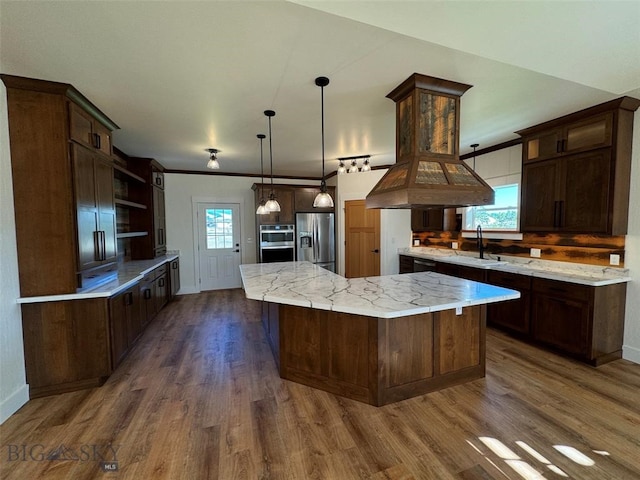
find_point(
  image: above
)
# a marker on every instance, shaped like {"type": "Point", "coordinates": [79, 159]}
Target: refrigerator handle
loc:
{"type": "Point", "coordinates": [316, 248]}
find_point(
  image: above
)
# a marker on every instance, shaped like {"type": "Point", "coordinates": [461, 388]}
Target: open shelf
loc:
{"type": "Point", "coordinates": [128, 203]}
{"type": "Point", "coordinates": [120, 170]}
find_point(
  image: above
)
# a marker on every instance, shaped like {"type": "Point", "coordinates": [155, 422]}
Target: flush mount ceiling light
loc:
{"type": "Point", "coordinates": [262, 209]}
{"type": "Point", "coordinates": [272, 204]}
{"type": "Point", "coordinates": [323, 199]}
{"type": "Point", "coordinates": [213, 159]}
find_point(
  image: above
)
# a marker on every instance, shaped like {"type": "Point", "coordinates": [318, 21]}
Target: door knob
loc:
{"type": "Point", "coordinates": [375, 251]}
{"type": "Point", "coordinates": [237, 250]}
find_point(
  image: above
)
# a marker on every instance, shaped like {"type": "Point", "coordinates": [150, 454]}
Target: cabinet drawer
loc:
{"type": "Point", "coordinates": [161, 270]}
{"type": "Point", "coordinates": [509, 280]}
{"type": "Point", "coordinates": [562, 289]}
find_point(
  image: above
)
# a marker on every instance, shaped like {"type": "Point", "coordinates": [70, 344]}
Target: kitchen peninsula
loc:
{"type": "Point", "coordinates": [376, 339]}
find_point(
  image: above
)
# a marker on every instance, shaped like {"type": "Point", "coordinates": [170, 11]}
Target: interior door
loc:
{"type": "Point", "coordinates": [362, 234]}
{"type": "Point", "coordinates": [219, 245]}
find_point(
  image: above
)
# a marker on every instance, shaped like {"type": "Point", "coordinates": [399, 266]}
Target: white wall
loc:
{"type": "Point", "coordinates": [181, 190]}
{"type": "Point", "coordinates": [395, 224]}
{"type": "Point", "coordinates": [501, 167]}
{"type": "Point", "coordinates": [631, 346]}
{"type": "Point", "coordinates": [14, 391]}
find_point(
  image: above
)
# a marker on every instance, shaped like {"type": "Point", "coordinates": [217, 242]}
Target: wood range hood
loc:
{"type": "Point", "coordinates": [428, 172]}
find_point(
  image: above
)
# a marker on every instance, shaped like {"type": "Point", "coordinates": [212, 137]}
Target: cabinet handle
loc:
{"type": "Point", "coordinates": [561, 213]}
{"type": "Point", "coordinates": [158, 180]}
{"type": "Point", "coordinates": [174, 265]}
{"type": "Point", "coordinates": [128, 298]}
{"type": "Point", "coordinates": [96, 245]}
{"type": "Point", "coordinates": [161, 282]}
{"type": "Point", "coordinates": [559, 146]}
{"type": "Point", "coordinates": [147, 294]}
{"type": "Point", "coordinates": [103, 244]}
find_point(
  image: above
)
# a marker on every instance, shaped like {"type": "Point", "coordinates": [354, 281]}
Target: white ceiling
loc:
{"type": "Point", "coordinates": [179, 77]}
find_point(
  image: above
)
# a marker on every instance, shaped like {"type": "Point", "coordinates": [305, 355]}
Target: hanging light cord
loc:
{"type": "Point", "coordinates": [261, 137]}
{"type": "Point", "coordinates": [270, 153]}
{"type": "Point", "coordinates": [323, 184]}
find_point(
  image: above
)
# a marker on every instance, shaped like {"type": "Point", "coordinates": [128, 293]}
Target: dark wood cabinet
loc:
{"type": "Point", "coordinates": [433, 219]}
{"type": "Point", "coordinates": [576, 171]}
{"type": "Point", "coordinates": [406, 264]}
{"type": "Point", "coordinates": [154, 293]}
{"type": "Point", "coordinates": [95, 208]}
{"type": "Point", "coordinates": [304, 197]}
{"type": "Point", "coordinates": [578, 193]}
{"type": "Point", "coordinates": [462, 271]}
{"type": "Point", "coordinates": [152, 218]}
{"type": "Point", "coordinates": [125, 323]}
{"type": "Point", "coordinates": [64, 210]}
{"type": "Point", "coordinates": [285, 197]}
{"type": "Point", "coordinates": [174, 277]}
{"type": "Point", "coordinates": [513, 315]}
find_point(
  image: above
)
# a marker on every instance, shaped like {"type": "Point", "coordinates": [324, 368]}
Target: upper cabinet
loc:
{"type": "Point", "coordinates": [63, 198]}
{"type": "Point", "coordinates": [576, 171]}
{"type": "Point", "coordinates": [292, 199]}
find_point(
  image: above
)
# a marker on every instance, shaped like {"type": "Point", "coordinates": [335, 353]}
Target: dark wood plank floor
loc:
{"type": "Point", "coordinates": [200, 398]}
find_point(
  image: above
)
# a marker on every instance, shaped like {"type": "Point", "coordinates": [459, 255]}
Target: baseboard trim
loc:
{"type": "Point", "coordinates": [12, 404]}
{"type": "Point", "coordinates": [631, 353]}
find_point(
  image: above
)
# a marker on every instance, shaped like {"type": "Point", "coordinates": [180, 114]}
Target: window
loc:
{"type": "Point", "coordinates": [502, 215]}
{"type": "Point", "coordinates": [219, 228]}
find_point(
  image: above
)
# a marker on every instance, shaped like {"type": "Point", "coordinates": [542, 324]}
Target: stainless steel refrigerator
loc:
{"type": "Point", "coordinates": [315, 239]}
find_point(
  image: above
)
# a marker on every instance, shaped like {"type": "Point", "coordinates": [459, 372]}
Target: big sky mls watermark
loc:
{"type": "Point", "coordinates": [105, 455]}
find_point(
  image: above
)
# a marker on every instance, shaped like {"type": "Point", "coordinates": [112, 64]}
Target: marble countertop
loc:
{"type": "Point", "coordinates": [128, 274]}
{"type": "Point", "coordinates": [307, 285]}
{"type": "Point", "coordinates": [592, 275]}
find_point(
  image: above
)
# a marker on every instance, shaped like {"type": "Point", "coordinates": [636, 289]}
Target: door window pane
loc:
{"type": "Point", "coordinates": [219, 228]}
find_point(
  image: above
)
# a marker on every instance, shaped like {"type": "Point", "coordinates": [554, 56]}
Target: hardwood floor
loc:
{"type": "Point", "coordinates": [199, 397]}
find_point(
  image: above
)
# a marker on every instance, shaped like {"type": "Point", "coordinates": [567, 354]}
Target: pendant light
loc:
{"type": "Point", "coordinates": [272, 204]}
{"type": "Point", "coordinates": [261, 210]}
{"type": "Point", "coordinates": [341, 168]}
{"type": "Point", "coordinates": [366, 167]}
{"type": "Point", "coordinates": [323, 199]}
{"type": "Point", "coordinates": [213, 159]}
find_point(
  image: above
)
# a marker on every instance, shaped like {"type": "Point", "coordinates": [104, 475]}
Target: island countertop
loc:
{"type": "Point", "coordinates": [307, 285]}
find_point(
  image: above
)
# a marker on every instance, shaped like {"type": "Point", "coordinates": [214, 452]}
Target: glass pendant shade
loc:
{"type": "Point", "coordinates": [213, 164]}
{"type": "Point", "coordinates": [323, 199]}
{"type": "Point", "coordinates": [354, 167]}
{"type": "Point", "coordinates": [272, 204]}
{"type": "Point", "coordinates": [365, 166]}
{"type": "Point", "coordinates": [262, 209]}
{"type": "Point", "coordinates": [341, 168]}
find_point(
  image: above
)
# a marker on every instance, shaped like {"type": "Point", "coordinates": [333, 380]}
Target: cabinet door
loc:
{"type": "Point", "coordinates": [427, 220]}
{"type": "Point", "coordinates": [594, 132]}
{"type": "Point", "coordinates": [89, 239]}
{"type": "Point", "coordinates": [80, 125]}
{"type": "Point", "coordinates": [305, 196]}
{"type": "Point", "coordinates": [106, 209]}
{"type": "Point", "coordinates": [514, 315]}
{"type": "Point", "coordinates": [119, 312]}
{"type": "Point", "coordinates": [159, 221]}
{"type": "Point", "coordinates": [539, 206]}
{"type": "Point", "coordinates": [586, 192]}
{"type": "Point", "coordinates": [161, 291]}
{"type": "Point", "coordinates": [406, 264]}
{"type": "Point", "coordinates": [175, 276]}
{"type": "Point", "coordinates": [561, 322]}
{"type": "Point", "coordinates": [543, 145]}
{"type": "Point", "coordinates": [286, 214]}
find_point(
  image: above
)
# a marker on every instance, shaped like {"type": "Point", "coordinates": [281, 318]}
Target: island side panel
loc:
{"type": "Point", "coordinates": [327, 350]}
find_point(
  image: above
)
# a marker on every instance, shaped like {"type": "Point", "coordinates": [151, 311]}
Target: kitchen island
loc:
{"type": "Point", "coordinates": [376, 339]}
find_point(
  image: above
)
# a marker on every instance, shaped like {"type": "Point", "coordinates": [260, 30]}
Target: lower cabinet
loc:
{"type": "Point", "coordinates": [271, 324]}
{"type": "Point", "coordinates": [584, 321]}
{"type": "Point", "coordinates": [512, 315]}
{"type": "Point", "coordinates": [125, 324]}
{"type": "Point", "coordinates": [174, 278]}
{"type": "Point", "coordinates": [461, 271]}
{"type": "Point", "coordinates": [406, 264]}
{"type": "Point", "coordinates": [74, 344]}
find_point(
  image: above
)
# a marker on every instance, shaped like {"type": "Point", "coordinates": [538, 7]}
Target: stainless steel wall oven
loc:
{"type": "Point", "coordinates": [277, 243]}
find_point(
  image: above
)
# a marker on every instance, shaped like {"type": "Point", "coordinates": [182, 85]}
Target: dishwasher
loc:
{"type": "Point", "coordinates": [422, 265]}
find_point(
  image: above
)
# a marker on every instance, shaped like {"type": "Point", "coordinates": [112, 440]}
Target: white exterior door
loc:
{"type": "Point", "coordinates": [219, 245]}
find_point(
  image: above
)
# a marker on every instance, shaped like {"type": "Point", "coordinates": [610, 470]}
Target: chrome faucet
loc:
{"type": "Point", "coordinates": [480, 244]}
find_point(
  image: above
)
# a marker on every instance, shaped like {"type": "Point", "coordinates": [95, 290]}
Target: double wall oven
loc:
{"type": "Point", "coordinates": [277, 243]}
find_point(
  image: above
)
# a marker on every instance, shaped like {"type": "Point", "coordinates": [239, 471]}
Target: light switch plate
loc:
{"type": "Point", "coordinates": [614, 259]}
{"type": "Point", "coordinates": [454, 245]}
{"type": "Point", "coordinates": [535, 252]}
{"type": "Point", "coordinates": [458, 310]}
{"type": "Point", "coordinates": [416, 242]}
